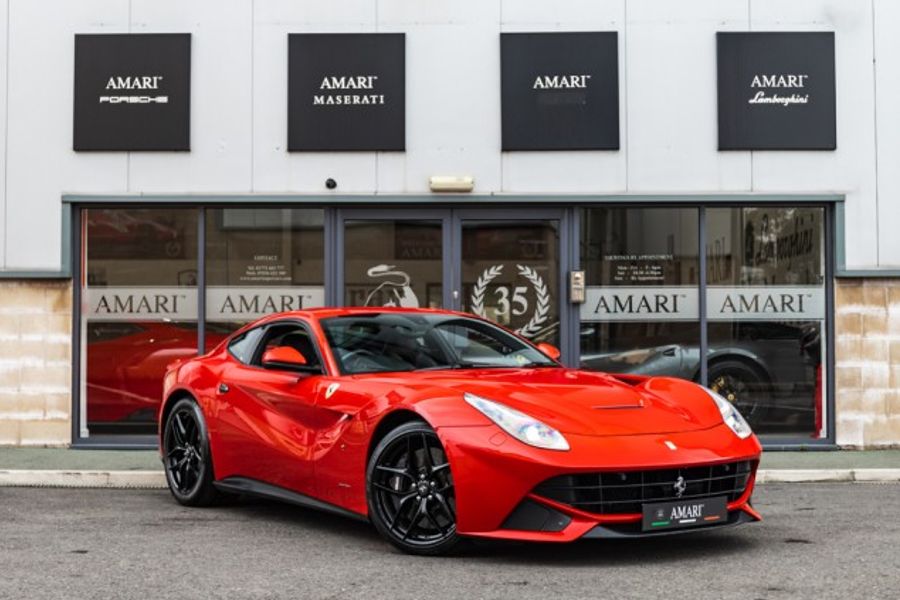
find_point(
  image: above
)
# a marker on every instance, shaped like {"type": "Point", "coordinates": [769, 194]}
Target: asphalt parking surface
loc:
{"type": "Point", "coordinates": [818, 541]}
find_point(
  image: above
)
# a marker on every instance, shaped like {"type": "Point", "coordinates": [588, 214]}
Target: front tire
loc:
{"type": "Point", "coordinates": [410, 491]}
{"type": "Point", "coordinates": [186, 456]}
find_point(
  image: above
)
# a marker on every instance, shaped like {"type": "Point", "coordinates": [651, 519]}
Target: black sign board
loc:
{"type": "Point", "coordinates": [776, 91]}
{"type": "Point", "coordinates": [346, 91]}
{"type": "Point", "coordinates": [132, 91]}
{"type": "Point", "coordinates": [560, 91]}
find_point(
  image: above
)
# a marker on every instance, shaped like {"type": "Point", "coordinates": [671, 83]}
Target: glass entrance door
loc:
{"type": "Point", "coordinates": [497, 264]}
{"type": "Point", "coordinates": [393, 258]}
{"type": "Point", "coordinates": [509, 271]}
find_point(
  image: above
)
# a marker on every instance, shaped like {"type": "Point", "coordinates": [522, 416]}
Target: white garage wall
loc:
{"type": "Point", "coordinates": [887, 117]}
{"type": "Point", "coordinates": [4, 9]}
{"type": "Point", "coordinates": [851, 168]}
{"type": "Point", "coordinates": [239, 96]}
{"type": "Point", "coordinates": [40, 162]}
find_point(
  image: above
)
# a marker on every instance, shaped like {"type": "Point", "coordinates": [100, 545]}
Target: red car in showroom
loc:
{"type": "Point", "coordinates": [437, 426]}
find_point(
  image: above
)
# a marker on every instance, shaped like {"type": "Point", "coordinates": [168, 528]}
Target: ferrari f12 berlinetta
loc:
{"type": "Point", "coordinates": [437, 426]}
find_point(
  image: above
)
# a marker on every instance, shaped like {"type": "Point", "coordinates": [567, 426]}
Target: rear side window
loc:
{"type": "Point", "coordinates": [242, 346]}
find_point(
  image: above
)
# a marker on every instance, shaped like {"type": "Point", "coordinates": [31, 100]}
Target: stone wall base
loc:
{"type": "Point", "coordinates": [867, 362]}
{"type": "Point", "coordinates": [35, 363]}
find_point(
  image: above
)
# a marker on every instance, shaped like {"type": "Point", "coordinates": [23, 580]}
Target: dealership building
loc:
{"type": "Point", "coordinates": [706, 189]}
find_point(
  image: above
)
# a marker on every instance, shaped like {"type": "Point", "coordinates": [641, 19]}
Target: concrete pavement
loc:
{"type": "Point", "coordinates": [817, 542]}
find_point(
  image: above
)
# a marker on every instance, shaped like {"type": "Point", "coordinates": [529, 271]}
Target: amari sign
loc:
{"type": "Point", "coordinates": [776, 91]}
{"type": "Point", "coordinates": [723, 303]}
{"type": "Point", "coordinates": [650, 303]}
{"type": "Point", "coordinates": [132, 92]}
{"type": "Point", "coordinates": [346, 91]}
{"type": "Point", "coordinates": [235, 303]}
{"type": "Point", "coordinates": [765, 303]}
{"type": "Point", "coordinates": [560, 91]}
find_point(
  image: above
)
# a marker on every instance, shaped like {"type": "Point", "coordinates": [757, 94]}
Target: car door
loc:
{"type": "Point", "coordinates": [267, 416]}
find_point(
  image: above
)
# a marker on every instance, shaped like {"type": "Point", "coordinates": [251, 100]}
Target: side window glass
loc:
{"type": "Point", "coordinates": [242, 347]}
{"type": "Point", "coordinates": [289, 334]}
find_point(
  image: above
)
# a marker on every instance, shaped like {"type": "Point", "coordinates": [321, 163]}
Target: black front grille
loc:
{"type": "Point", "coordinates": [623, 492]}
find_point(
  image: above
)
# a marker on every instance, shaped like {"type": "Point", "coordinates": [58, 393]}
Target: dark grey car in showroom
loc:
{"type": "Point", "coordinates": [770, 370]}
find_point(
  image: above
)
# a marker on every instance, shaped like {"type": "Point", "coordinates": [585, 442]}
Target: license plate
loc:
{"type": "Point", "coordinates": [685, 513]}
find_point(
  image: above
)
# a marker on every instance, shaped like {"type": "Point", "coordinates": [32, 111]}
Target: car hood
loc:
{"type": "Point", "coordinates": [574, 401]}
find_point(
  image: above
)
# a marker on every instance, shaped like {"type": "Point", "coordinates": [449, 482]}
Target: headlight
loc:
{"type": "Point", "coordinates": [519, 425]}
{"type": "Point", "coordinates": [731, 416]}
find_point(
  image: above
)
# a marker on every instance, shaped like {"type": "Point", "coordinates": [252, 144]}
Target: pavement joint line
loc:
{"type": "Point", "coordinates": [86, 478]}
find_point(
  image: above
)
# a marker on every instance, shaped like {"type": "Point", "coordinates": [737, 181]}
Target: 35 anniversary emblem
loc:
{"type": "Point", "coordinates": [512, 300]}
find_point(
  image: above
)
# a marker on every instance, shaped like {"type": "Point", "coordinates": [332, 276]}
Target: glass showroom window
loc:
{"type": "Point", "coordinates": [260, 261]}
{"type": "Point", "coordinates": [138, 312]}
{"type": "Point", "coordinates": [642, 273]}
{"type": "Point", "coordinates": [766, 312]}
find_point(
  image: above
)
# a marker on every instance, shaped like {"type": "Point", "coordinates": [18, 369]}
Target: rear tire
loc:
{"type": "Point", "coordinates": [410, 491]}
{"type": "Point", "coordinates": [186, 455]}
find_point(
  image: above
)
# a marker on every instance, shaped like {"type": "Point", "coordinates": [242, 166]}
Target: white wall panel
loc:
{"type": "Point", "coordinates": [851, 168]}
{"type": "Point", "coordinates": [568, 172]}
{"type": "Point", "coordinates": [670, 74]}
{"type": "Point", "coordinates": [588, 15]}
{"type": "Point", "coordinates": [4, 7]}
{"type": "Point", "coordinates": [452, 91]}
{"type": "Point", "coordinates": [275, 169]}
{"type": "Point", "coordinates": [219, 159]}
{"type": "Point", "coordinates": [887, 88]}
{"type": "Point", "coordinates": [41, 164]}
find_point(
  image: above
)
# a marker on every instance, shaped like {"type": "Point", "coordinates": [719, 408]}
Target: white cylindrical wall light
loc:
{"type": "Point", "coordinates": [448, 183]}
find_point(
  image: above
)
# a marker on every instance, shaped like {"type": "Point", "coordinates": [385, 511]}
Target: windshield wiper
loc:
{"type": "Point", "coordinates": [526, 365]}
{"type": "Point", "coordinates": [436, 368]}
{"type": "Point", "coordinates": [465, 364]}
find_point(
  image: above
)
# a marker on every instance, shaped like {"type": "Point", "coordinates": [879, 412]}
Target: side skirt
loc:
{"type": "Point", "coordinates": [252, 487]}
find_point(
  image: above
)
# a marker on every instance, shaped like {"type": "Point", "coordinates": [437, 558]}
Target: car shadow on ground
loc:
{"type": "Point", "coordinates": [615, 552]}
{"type": "Point", "coordinates": [700, 545]}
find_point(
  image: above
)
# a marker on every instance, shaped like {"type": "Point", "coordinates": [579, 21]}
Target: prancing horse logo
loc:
{"type": "Point", "coordinates": [680, 486]}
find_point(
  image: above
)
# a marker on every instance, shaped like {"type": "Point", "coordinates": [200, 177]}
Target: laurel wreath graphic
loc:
{"type": "Point", "coordinates": [542, 306]}
{"type": "Point", "coordinates": [480, 288]}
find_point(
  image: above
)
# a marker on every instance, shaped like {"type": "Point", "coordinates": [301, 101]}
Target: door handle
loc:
{"type": "Point", "coordinates": [223, 388]}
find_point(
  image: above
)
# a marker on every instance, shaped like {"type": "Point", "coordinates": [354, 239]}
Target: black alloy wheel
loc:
{"type": "Point", "coordinates": [186, 455]}
{"type": "Point", "coordinates": [410, 491]}
{"type": "Point", "coordinates": [743, 386]}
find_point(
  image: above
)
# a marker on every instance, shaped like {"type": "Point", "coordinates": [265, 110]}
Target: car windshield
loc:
{"type": "Point", "coordinates": [391, 342]}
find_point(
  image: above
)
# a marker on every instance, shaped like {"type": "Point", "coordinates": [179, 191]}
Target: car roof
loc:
{"type": "Point", "coordinates": [326, 312]}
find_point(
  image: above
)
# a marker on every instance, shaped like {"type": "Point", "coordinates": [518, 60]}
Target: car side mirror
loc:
{"type": "Point", "coordinates": [550, 350]}
{"type": "Point", "coordinates": [283, 357]}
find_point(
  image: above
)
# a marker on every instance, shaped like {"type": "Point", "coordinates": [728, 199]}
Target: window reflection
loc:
{"type": "Point", "coordinates": [766, 311]}
{"type": "Point", "coordinates": [641, 314]}
{"type": "Point", "coordinates": [261, 261]}
{"type": "Point", "coordinates": [139, 311]}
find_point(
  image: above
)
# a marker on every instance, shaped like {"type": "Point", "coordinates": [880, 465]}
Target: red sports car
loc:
{"type": "Point", "coordinates": [437, 425]}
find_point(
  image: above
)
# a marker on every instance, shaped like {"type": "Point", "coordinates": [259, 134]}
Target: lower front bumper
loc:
{"type": "Point", "coordinates": [633, 530]}
{"type": "Point", "coordinates": [494, 475]}
{"type": "Point", "coordinates": [583, 526]}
